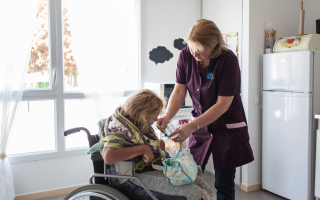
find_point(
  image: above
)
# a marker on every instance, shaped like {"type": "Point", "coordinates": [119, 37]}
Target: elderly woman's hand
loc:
{"type": "Point", "coordinates": [183, 132]}
{"type": "Point", "coordinates": [148, 155]}
{"type": "Point", "coordinates": [162, 145]}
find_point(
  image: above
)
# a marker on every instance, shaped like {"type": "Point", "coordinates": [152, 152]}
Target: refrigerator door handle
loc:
{"type": "Point", "coordinates": [282, 90]}
{"type": "Point", "coordinates": [278, 90]}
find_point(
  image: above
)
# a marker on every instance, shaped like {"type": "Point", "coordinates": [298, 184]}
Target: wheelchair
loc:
{"type": "Point", "coordinates": [102, 185]}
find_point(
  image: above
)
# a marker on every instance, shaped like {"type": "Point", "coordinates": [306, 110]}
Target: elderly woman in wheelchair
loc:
{"type": "Point", "coordinates": [128, 146]}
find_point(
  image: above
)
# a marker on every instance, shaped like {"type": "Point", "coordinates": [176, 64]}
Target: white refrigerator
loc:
{"type": "Point", "coordinates": [291, 97]}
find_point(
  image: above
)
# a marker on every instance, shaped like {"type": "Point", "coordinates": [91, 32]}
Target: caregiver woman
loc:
{"type": "Point", "coordinates": [210, 72]}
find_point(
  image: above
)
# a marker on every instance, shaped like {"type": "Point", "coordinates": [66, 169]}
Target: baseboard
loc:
{"type": "Point", "coordinates": [250, 188]}
{"type": "Point", "coordinates": [46, 194]}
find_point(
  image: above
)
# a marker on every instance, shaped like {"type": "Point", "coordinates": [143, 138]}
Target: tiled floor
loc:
{"type": "Point", "coordinates": [240, 195]}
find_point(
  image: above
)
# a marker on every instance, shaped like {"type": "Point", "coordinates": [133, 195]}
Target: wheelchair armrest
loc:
{"type": "Point", "coordinates": [98, 157]}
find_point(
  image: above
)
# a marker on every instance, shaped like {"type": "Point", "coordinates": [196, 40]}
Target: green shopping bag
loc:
{"type": "Point", "coordinates": [179, 170]}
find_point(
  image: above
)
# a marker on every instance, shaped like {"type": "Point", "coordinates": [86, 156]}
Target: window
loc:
{"type": "Point", "coordinates": [65, 47]}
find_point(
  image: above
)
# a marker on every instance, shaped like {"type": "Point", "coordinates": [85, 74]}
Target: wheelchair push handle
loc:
{"type": "Point", "coordinates": [74, 130]}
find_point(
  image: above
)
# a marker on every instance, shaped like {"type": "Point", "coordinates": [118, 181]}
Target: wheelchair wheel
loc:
{"type": "Point", "coordinates": [95, 192]}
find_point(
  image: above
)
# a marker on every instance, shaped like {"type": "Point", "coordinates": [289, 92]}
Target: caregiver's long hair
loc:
{"type": "Point", "coordinates": [142, 105]}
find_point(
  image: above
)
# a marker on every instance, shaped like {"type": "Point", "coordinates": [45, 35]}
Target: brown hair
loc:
{"type": "Point", "coordinates": [142, 105]}
{"type": "Point", "coordinates": [205, 34]}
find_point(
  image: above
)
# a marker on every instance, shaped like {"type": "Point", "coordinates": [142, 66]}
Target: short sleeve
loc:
{"type": "Point", "coordinates": [181, 70]}
{"type": "Point", "coordinates": [229, 84]}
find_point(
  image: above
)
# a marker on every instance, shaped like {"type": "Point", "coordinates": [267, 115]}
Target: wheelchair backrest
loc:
{"type": "Point", "coordinates": [96, 138]}
{"type": "Point", "coordinates": [101, 124]}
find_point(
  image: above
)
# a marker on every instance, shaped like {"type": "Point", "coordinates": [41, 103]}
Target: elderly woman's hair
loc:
{"type": "Point", "coordinates": [142, 105]}
{"type": "Point", "coordinates": [205, 34]}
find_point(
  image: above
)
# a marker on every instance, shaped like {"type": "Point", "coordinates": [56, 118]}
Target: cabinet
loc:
{"type": "Point", "coordinates": [183, 113]}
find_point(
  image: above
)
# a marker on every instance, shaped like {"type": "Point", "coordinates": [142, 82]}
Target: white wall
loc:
{"type": "Point", "coordinates": [312, 13]}
{"type": "Point", "coordinates": [51, 174]}
{"type": "Point", "coordinates": [163, 21]}
{"type": "Point", "coordinates": [285, 16]}
{"type": "Point", "coordinates": [245, 75]}
{"type": "Point", "coordinates": [227, 15]}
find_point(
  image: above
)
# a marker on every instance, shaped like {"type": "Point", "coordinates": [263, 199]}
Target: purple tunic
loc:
{"type": "Point", "coordinates": [228, 136]}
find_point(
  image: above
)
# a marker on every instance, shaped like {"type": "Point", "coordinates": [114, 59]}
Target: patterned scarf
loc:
{"type": "Point", "coordinates": [120, 133]}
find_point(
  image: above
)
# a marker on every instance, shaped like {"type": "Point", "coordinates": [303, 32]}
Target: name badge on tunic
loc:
{"type": "Point", "coordinates": [210, 75]}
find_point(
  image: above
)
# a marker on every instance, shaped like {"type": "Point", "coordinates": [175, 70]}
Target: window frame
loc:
{"type": "Point", "coordinates": [56, 92]}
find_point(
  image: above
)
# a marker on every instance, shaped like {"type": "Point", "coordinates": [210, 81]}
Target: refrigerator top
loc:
{"type": "Point", "coordinates": [290, 71]}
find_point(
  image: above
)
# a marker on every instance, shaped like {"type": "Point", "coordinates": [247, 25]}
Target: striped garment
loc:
{"type": "Point", "coordinates": [120, 132]}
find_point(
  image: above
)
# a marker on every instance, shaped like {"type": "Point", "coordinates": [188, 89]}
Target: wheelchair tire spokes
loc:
{"type": "Point", "coordinates": [100, 192]}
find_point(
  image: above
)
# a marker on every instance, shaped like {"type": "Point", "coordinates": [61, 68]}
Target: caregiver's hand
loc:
{"type": "Point", "coordinates": [163, 121]}
{"type": "Point", "coordinates": [183, 132]}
